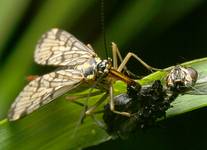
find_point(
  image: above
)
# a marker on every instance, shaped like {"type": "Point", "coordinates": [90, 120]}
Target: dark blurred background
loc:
{"type": "Point", "coordinates": [161, 32]}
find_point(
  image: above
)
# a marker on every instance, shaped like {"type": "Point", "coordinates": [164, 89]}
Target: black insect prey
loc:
{"type": "Point", "coordinates": [148, 103]}
{"type": "Point", "coordinates": [146, 106]}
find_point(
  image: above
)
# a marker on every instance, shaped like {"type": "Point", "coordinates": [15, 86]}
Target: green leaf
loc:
{"type": "Point", "coordinates": [56, 126]}
{"type": "Point", "coordinates": [184, 103]}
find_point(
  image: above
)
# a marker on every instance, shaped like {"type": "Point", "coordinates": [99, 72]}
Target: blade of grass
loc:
{"type": "Point", "coordinates": [62, 131]}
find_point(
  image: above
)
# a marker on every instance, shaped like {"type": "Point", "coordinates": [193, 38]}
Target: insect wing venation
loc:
{"type": "Point", "coordinates": [43, 90]}
{"type": "Point", "coordinates": [59, 48]}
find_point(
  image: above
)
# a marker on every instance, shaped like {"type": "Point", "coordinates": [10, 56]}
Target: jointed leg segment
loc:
{"type": "Point", "coordinates": [112, 106]}
{"type": "Point", "coordinates": [115, 52]}
{"type": "Point", "coordinates": [99, 102]}
{"type": "Point", "coordinates": [116, 56]}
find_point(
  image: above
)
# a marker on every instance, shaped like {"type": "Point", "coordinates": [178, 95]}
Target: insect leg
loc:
{"type": "Point", "coordinates": [98, 122]}
{"type": "Point", "coordinates": [128, 56]}
{"type": "Point", "coordinates": [115, 53]}
{"type": "Point", "coordinates": [91, 111]}
{"type": "Point", "coordinates": [99, 102]}
{"type": "Point", "coordinates": [81, 96]}
{"type": "Point", "coordinates": [111, 103]}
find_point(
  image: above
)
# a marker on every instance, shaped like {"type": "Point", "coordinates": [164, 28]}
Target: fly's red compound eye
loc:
{"type": "Point", "coordinates": [193, 73]}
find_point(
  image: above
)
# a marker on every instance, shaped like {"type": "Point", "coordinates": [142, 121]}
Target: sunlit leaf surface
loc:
{"type": "Point", "coordinates": [58, 122]}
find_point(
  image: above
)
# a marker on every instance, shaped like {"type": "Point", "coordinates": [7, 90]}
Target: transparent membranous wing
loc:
{"type": "Point", "coordinates": [43, 90]}
{"type": "Point", "coordinates": [59, 48]}
{"type": "Point", "coordinates": [200, 87]}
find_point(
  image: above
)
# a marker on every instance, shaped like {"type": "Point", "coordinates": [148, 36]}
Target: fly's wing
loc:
{"type": "Point", "coordinates": [200, 88]}
{"type": "Point", "coordinates": [60, 48]}
{"type": "Point", "coordinates": [43, 90]}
